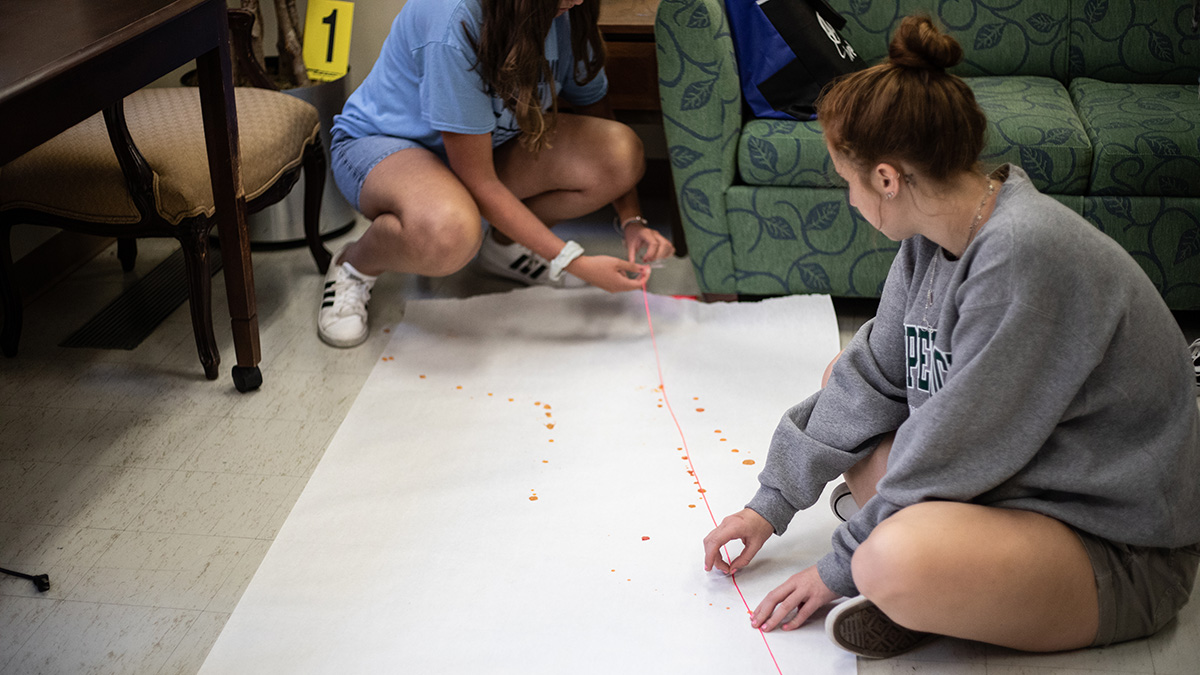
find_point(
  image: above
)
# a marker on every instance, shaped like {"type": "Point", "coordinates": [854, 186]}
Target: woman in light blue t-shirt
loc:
{"type": "Point", "coordinates": [457, 120]}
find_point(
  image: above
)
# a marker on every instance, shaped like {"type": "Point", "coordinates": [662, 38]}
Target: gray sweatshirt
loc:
{"type": "Point", "coordinates": [1047, 375]}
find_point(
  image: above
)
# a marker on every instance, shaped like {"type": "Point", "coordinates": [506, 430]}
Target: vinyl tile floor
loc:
{"type": "Point", "coordinates": [150, 495]}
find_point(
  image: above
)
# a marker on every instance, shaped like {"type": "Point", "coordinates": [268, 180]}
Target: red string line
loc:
{"type": "Point", "coordinates": [662, 386]}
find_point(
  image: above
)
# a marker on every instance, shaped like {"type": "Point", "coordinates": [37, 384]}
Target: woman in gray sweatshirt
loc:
{"type": "Point", "coordinates": [1018, 422]}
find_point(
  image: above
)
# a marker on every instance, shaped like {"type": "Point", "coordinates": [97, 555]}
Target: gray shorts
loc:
{"type": "Point", "coordinates": [1140, 588]}
{"type": "Point", "coordinates": [353, 158]}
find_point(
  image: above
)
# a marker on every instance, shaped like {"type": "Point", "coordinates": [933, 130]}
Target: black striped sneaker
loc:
{"type": "Point", "coordinates": [859, 627]}
{"type": "Point", "coordinates": [1196, 363]}
{"type": "Point", "coordinates": [342, 319]}
{"type": "Point", "coordinates": [514, 261]}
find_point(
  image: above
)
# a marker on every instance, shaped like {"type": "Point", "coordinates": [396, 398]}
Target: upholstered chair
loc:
{"type": "Point", "coordinates": [140, 169]}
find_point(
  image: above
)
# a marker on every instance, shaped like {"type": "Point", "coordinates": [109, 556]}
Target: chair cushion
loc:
{"type": "Point", "coordinates": [76, 174]}
{"type": "Point", "coordinates": [1144, 137]}
{"type": "Point", "coordinates": [1030, 123]}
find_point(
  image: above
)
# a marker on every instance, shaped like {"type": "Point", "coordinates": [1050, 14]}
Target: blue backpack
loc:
{"type": "Point", "coordinates": [787, 50]}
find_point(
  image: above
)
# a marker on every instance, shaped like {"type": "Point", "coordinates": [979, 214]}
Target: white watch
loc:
{"type": "Point", "coordinates": [570, 251]}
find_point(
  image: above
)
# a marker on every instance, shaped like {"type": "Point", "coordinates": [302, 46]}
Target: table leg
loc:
{"type": "Point", "coordinates": [224, 165]}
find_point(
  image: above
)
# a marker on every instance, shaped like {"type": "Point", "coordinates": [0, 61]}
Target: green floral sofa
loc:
{"type": "Point", "coordinates": [1095, 99]}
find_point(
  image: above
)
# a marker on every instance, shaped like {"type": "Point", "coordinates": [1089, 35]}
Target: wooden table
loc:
{"type": "Point", "coordinates": [632, 68]}
{"type": "Point", "coordinates": [61, 61]}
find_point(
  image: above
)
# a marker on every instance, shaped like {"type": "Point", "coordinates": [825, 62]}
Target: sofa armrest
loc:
{"type": "Point", "coordinates": [702, 119]}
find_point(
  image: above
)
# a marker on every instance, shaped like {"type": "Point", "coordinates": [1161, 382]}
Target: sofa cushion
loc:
{"type": "Point", "coordinates": [1031, 123]}
{"type": "Point", "coordinates": [1144, 137]}
{"type": "Point", "coordinates": [1133, 41]}
{"type": "Point", "coordinates": [1026, 38]}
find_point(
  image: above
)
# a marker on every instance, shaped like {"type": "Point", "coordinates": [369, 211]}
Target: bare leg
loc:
{"type": "Point", "coordinates": [423, 220]}
{"type": "Point", "coordinates": [1003, 576]}
{"type": "Point", "coordinates": [591, 162]}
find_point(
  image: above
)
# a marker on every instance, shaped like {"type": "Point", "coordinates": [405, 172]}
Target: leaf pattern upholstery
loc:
{"type": "Point", "coordinates": [1108, 129]}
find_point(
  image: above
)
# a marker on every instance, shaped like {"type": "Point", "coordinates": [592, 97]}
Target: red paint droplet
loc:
{"type": "Point", "coordinates": [747, 462]}
{"type": "Point", "coordinates": [645, 538]}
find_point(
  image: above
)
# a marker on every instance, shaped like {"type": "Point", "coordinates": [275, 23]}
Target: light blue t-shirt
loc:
{"type": "Point", "coordinates": [424, 83]}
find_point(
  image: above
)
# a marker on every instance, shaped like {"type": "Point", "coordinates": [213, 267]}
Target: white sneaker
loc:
{"type": "Point", "coordinates": [859, 627]}
{"type": "Point", "coordinates": [842, 502]}
{"type": "Point", "coordinates": [514, 261]}
{"type": "Point", "coordinates": [342, 319]}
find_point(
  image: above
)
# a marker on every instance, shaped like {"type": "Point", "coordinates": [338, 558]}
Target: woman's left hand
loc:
{"type": "Point", "coordinates": [803, 592]}
{"type": "Point", "coordinates": [653, 245]}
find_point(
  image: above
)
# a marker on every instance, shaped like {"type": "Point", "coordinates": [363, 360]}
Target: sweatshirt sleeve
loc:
{"type": "Point", "coordinates": [818, 439]}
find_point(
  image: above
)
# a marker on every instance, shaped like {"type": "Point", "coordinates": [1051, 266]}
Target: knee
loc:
{"type": "Point", "coordinates": [829, 370]}
{"type": "Point", "coordinates": [625, 160]}
{"type": "Point", "coordinates": [438, 240]}
{"type": "Point", "coordinates": [895, 566]}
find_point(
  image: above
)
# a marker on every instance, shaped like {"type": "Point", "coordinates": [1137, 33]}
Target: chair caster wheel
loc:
{"type": "Point", "coordinates": [247, 379]}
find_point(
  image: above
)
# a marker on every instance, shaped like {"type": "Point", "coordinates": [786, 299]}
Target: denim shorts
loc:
{"type": "Point", "coordinates": [353, 159]}
{"type": "Point", "coordinates": [1140, 588]}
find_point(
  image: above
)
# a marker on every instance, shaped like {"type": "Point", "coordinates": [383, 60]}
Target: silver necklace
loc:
{"type": "Point", "coordinates": [991, 189]}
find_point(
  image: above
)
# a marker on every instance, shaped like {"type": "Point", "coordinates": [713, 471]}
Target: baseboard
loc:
{"type": "Point", "coordinates": [53, 260]}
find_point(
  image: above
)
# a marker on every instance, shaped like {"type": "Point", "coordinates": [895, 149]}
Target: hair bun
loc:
{"type": "Point", "coordinates": [919, 44]}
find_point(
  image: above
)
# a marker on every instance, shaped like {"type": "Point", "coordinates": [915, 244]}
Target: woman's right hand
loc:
{"type": "Point", "coordinates": [611, 274]}
{"type": "Point", "coordinates": [747, 525]}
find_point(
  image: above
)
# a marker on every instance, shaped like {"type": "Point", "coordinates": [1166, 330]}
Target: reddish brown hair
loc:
{"type": "Point", "coordinates": [908, 108]}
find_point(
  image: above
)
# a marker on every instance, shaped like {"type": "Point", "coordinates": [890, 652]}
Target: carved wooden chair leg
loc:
{"type": "Point", "coordinates": [127, 252]}
{"type": "Point", "coordinates": [314, 189]}
{"type": "Point", "coordinates": [199, 279]}
{"type": "Point", "coordinates": [10, 296]}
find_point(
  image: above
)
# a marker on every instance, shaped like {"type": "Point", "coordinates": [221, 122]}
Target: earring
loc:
{"type": "Point", "coordinates": [889, 195]}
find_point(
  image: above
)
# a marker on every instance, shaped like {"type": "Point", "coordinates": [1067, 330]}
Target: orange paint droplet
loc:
{"type": "Point", "coordinates": [533, 498]}
{"type": "Point", "coordinates": [510, 400]}
{"type": "Point", "coordinates": [645, 538]}
{"type": "Point", "coordinates": [550, 425]}
{"type": "Point", "coordinates": [545, 461]}
{"type": "Point", "coordinates": [459, 387]}
{"type": "Point", "coordinates": [695, 398]}
{"type": "Point", "coordinates": [691, 506]}
{"type": "Point", "coordinates": [549, 415]}
{"type": "Point", "coordinates": [490, 393]}
{"type": "Point", "coordinates": [551, 440]}
{"type": "Point", "coordinates": [734, 450]}
{"type": "Point", "coordinates": [660, 405]}
{"type": "Point", "coordinates": [691, 473]}
{"type": "Point", "coordinates": [422, 377]}
{"type": "Point", "coordinates": [724, 439]}
{"type": "Point", "coordinates": [387, 330]}
{"type": "Point", "coordinates": [547, 406]}
{"type": "Point", "coordinates": [747, 462]}
{"type": "Point", "coordinates": [716, 431]}
{"type": "Point", "coordinates": [699, 409]}
{"type": "Point", "coordinates": [702, 490]}
{"type": "Point", "coordinates": [684, 457]}
{"type": "Point", "coordinates": [537, 402]}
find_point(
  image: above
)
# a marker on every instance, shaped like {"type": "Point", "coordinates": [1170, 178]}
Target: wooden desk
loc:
{"type": "Point", "coordinates": [628, 30]}
{"type": "Point", "coordinates": [61, 61]}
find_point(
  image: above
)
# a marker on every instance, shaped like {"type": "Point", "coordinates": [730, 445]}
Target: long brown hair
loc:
{"type": "Point", "coordinates": [907, 108]}
{"type": "Point", "coordinates": [512, 61]}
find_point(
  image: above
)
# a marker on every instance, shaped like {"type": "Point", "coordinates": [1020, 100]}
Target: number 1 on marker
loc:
{"type": "Point", "coordinates": [327, 38]}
